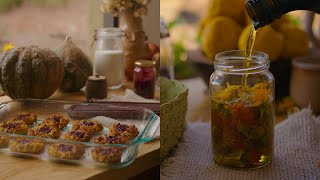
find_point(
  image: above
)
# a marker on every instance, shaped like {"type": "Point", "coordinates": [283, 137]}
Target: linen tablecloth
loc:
{"type": "Point", "coordinates": [296, 153]}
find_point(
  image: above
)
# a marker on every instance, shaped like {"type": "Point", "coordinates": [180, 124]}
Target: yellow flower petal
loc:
{"type": "Point", "coordinates": [7, 47]}
{"type": "Point", "coordinates": [260, 94]}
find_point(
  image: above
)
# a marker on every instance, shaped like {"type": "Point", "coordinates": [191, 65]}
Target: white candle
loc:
{"type": "Point", "coordinates": [110, 63]}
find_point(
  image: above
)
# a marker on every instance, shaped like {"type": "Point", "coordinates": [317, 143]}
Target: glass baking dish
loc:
{"type": "Point", "coordinates": [84, 153]}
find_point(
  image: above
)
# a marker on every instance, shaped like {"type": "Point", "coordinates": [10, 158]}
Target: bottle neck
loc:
{"type": "Point", "coordinates": [264, 12]}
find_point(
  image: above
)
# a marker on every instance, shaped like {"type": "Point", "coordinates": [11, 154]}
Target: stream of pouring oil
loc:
{"type": "Point", "coordinates": [248, 52]}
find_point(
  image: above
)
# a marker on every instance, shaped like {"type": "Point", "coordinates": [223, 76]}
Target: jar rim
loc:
{"type": "Point", "coordinates": [307, 63]}
{"type": "Point", "coordinates": [233, 62]}
{"type": "Point", "coordinates": [109, 32]}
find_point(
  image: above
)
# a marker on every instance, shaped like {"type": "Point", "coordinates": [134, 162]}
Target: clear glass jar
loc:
{"type": "Point", "coordinates": [109, 56]}
{"type": "Point", "coordinates": [144, 78]}
{"type": "Point", "coordinates": [242, 110]}
{"type": "Point", "coordinates": [166, 52]}
{"type": "Point", "coordinates": [166, 56]}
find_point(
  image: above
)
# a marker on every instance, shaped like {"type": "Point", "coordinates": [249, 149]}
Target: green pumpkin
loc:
{"type": "Point", "coordinates": [30, 72]}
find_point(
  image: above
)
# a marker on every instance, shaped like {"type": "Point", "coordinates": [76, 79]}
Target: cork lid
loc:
{"type": "Point", "coordinates": [145, 63]}
{"type": "Point", "coordinates": [97, 77]}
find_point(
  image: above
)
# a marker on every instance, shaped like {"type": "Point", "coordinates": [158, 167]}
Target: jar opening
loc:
{"type": "Point", "coordinates": [233, 62]}
{"type": "Point", "coordinates": [109, 32]}
{"type": "Point", "coordinates": [307, 63]}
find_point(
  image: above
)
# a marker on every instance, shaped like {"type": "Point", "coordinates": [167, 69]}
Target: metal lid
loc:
{"type": "Point", "coordinates": [145, 63]}
{"type": "Point", "coordinates": [97, 77]}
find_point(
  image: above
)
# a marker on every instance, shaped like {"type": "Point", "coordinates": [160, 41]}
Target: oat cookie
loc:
{"type": "Point", "coordinates": [66, 151]}
{"type": "Point", "coordinates": [59, 121]}
{"type": "Point", "coordinates": [26, 146]}
{"type": "Point", "coordinates": [12, 126]}
{"type": "Point", "coordinates": [108, 139]}
{"type": "Point", "coordinates": [3, 141]}
{"type": "Point", "coordinates": [27, 118]}
{"type": "Point", "coordinates": [106, 154]}
{"type": "Point", "coordinates": [45, 130]}
{"type": "Point", "coordinates": [128, 131]}
{"type": "Point", "coordinates": [88, 126]}
{"type": "Point", "coordinates": [77, 135]}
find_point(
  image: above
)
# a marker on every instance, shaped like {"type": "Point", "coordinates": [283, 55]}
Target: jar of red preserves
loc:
{"type": "Point", "coordinates": [144, 77]}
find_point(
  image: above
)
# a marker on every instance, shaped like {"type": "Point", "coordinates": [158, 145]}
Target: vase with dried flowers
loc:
{"type": "Point", "coordinates": [130, 13]}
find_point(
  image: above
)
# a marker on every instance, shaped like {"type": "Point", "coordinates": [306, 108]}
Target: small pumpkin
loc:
{"type": "Point", "coordinates": [77, 66]}
{"type": "Point", "coordinates": [30, 72]}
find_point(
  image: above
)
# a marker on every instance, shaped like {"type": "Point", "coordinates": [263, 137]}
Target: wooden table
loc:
{"type": "Point", "coordinates": [21, 168]}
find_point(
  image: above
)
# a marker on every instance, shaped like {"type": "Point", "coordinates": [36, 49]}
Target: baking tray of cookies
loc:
{"type": "Point", "coordinates": [90, 134]}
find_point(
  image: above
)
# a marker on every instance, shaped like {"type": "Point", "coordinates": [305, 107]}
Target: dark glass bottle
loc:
{"type": "Point", "coordinates": [263, 12]}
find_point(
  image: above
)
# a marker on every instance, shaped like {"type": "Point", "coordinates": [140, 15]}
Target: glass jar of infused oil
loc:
{"type": "Point", "coordinates": [242, 110]}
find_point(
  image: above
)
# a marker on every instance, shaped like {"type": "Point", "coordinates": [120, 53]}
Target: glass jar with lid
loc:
{"type": "Point", "coordinates": [109, 56]}
{"type": "Point", "coordinates": [144, 77]}
{"type": "Point", "coordinates": [242, 110]}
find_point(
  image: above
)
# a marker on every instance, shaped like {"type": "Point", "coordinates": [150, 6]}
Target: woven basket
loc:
{"type": "Point", "coordinates": [173, 113]}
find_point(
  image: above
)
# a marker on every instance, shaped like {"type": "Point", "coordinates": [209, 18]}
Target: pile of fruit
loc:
{"type": "Point", "coordinates": [227, 25]}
